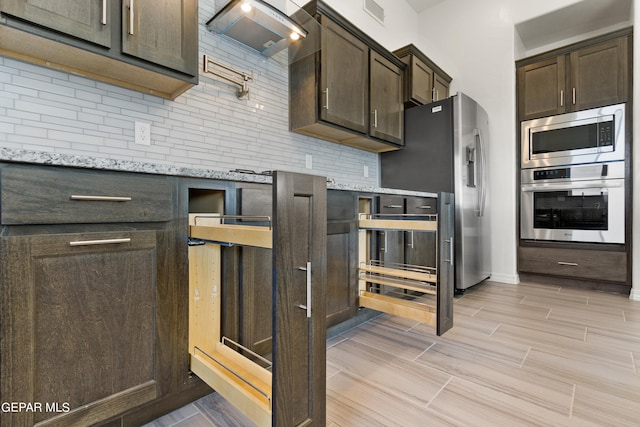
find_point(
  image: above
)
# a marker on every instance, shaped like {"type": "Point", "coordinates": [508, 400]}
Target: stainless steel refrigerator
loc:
{"type": "Point", "coordinates": [446, 149]}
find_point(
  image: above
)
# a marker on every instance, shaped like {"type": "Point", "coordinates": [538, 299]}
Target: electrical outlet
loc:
{"type": "Point", "coordinates": [309, 161]}
{"type": "Point", "coordinates": [142, 133]}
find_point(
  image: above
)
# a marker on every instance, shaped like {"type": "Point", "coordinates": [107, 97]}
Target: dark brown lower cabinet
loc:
{"type": "Point", "coordinates": [300, 233]}
{"type": "Point", "coordinates": [275, 372]}
{"type": "Point", "coordinates": [79, 329]}
{"type": "Point", "coordinates": [599, 265]}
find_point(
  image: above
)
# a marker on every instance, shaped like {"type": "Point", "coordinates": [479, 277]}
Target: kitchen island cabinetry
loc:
{"type": "Point", "coordinates": [424, 81]}
{"type": "Point", "coordinates": [350, 91]}
{"type": "Point", "coordinates": [586, 75]}
{"type": "Point", "coordinates": [139, 45]}
{"type": "Point", "coordinates": [87, 293]}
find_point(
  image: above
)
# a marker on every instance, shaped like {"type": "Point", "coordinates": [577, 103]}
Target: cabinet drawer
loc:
{"type": "Point", "coordinates": [582, 264]}
{"type": "Point", "coordinates": [422, 205]}
{"type": "Point", "coordinates": [390, 204]}
{"type": "Point", "coordinates": [51, 195]}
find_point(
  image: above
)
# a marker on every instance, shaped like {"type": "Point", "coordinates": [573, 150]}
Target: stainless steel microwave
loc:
{"type": "Point", "coordinates": [588, 136]}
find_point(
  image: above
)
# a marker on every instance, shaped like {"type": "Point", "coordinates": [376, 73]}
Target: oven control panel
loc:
{"type": "Point", "coordinates": [552, 174]}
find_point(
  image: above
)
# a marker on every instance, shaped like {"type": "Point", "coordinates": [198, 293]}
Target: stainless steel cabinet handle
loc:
{"type": "Point", "coordinates": [308, 305]}
{"type": "Point", "coordinates": [99, 242]}
{"type": "Point", "coordinates": [104, 12]}
{"type": "Point", "coordinates": [450, 242]}
{"type": "Point", "coordinates": [562, 97]}
{"type": "Point", "coordinates": [393, 206]}
{"type": "Point", "coordinates": [433, 94]}
{"type": "Point", "coordinates": [424, 207]}
{"type": "Point", "coordinates": [375, 118]}
{"type": "Point", "coordinates": [571, 264]}
{"type": "Point", "coordinates": [385, 242]}
{"type": "Point", "coordinates": [131, 17]}
{"type": "Point", "coordinates": [80, 197]}
{"type": "Point", "coordinates": [574, 96]}
{"type": "Point", "coordinates": [411, 243]}
{"type": "Point", "coordinates": [326, 99]}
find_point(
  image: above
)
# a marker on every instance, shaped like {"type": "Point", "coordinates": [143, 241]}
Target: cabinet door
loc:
{"type": "Point", "coordinates": [88, 20]}
{"type": "Point", "coordinates": [342, 256]}
{"type": "Point", "coordinates": [163, 33]}
{"type": "Point", "coordinates": [344, 83]}
{"type": "Point", "coordinates": [78, 325]}
{"type": "Point", "coordinates": [386, 118]}
{"type": "Point", "coordinates": [440, 88]}
{"type": "Point", "coordinates": [299, 241]}
{"type": "Point", "coordinates": [422, 80]}
{"type": "Point", "coordinates": [541, 89]}
{"type": "Point", "coordinates": [599, 74]}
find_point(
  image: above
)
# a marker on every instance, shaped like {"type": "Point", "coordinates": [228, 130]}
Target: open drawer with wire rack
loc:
{"type": "Point", "coordinates": [423, 293]}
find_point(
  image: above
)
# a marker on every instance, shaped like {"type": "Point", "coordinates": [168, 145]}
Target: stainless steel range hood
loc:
{"type": "Point", "coordinates": [257, 25]}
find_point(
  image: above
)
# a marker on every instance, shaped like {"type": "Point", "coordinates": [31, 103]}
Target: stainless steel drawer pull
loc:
{"type": "Point", "coordinates": [100, 242]}
{"type": "Point", "coordinates": [80, 197]}
{"type": "Point", "coordinates": [571, 264]}
{"type": "Point", "coordinates": [103, 21]}
{"type": "Point", "coordinates": [326, 99]}
{"type": "Point", "coordinates": [424, 207]}
{"type": "Point", "coordinates": [394, 206]}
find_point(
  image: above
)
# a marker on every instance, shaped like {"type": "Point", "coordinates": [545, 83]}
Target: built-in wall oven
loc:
{"type": "Point", "coordinates": [577, 203]}
{"type": "Point", "coordinates": [588, 136]}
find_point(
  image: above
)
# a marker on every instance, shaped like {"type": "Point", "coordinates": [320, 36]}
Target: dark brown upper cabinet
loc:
{"type": "Point", "coordinates": [574, 78]}
{"type": "Point", "coordinates": [424, 81]}
{"type": "Point", "coordinates": [87, 20]}
{"type": "Point", "coordinates": [344, 83]}
{"type": "Point", "coordinates": [140, 45]}
{"type": "Point", "coordinates": [162, 35]}
{"type": "Point", "coordinates": [386, 84]}
{"type": "Point", "coordinates": [350, 90]}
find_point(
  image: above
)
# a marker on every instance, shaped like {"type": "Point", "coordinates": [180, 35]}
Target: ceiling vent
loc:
{"type": "Point", "coordinates": [375, 10]}
{"type": "Point", "coordinates": [256, 24]}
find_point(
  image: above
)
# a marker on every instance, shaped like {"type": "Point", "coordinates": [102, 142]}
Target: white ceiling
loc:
{"type": "Point", "coordinates": [584, 17]}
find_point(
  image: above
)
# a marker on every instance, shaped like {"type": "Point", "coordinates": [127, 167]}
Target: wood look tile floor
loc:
{"type": "Point", "coordinates": [525, 355]}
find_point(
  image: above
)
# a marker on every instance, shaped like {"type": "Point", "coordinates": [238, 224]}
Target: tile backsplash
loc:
{"type": "Point", "coordinates": [207, 127]}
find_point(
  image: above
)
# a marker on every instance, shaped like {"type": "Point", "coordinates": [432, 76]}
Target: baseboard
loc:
{"type": "Point", "coordinates": [634, 294]}
{"type": "Point", "coordinates": [511, 279]}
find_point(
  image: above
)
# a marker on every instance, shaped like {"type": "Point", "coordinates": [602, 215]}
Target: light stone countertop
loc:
{"type": "Point", "coordinates": [57, 159]}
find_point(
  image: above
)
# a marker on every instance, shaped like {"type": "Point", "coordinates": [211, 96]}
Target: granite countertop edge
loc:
{"type": "Point", "coordinates": [88, 162]}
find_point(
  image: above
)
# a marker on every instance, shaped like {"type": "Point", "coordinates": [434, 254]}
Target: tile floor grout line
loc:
{"type": "Point", "coordinates": [524, 359]}
{"type": "Point", "coordinates": [573, 399]}
{"type": "Point", "coordinates": [425, 350]}
{"type": "Point", "coordinates": [586, 331]}
{"type": "Point", "coordinates": [495, 329]}
{"type": "Point", "coordinates": [633, 363]}
{"type": "Point", "coordinates": [435, 396]}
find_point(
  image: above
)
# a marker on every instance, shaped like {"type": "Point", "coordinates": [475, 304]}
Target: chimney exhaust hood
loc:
{"type": "Point", "coordinates": [257, 25]}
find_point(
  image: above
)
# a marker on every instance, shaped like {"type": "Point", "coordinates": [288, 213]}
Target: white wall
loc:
{"type": "Point", "coordinates": [400, 26]}
{"type": "Point", "coordinates": [475, 42]}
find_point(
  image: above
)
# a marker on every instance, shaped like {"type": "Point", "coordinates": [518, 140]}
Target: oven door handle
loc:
{"type": "Point", "coordinates": [602, 185]}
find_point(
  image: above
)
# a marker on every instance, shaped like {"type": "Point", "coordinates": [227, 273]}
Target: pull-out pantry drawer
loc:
{"type": "Point", "coordinates": [55, 195]}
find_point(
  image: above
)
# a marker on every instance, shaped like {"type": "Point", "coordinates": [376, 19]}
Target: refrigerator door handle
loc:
{"type": "Point", "coordinates": [482, 197]}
